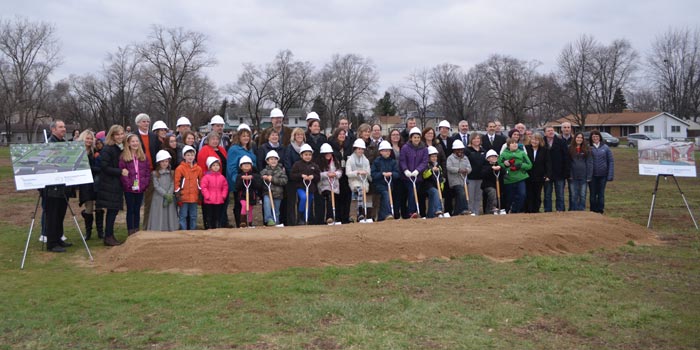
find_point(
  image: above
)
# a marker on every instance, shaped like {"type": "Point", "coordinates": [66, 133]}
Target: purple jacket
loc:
{"type": "Point", "coordinates": [144, 175]}
{"type": "Point", "coordinates": [413, 158]}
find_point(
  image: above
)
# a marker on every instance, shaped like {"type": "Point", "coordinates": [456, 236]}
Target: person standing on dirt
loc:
{"type": "Point", "coordinates": [55, 200]}
{"type": "Point", "coordinates": [413, 160]}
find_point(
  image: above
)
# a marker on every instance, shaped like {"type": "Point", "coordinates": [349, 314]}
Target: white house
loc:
{"type": "Point", "coordinates": [661, 124]}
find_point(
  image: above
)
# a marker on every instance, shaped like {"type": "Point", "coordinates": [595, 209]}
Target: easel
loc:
{"type": "Point", "coordinates": [653, 198]}
{"type": "Point", "coordinates": [31, 228]}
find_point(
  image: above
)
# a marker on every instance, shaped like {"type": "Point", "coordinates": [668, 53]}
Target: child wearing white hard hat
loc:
{"type": "Point", "coordinates": [274, 176]}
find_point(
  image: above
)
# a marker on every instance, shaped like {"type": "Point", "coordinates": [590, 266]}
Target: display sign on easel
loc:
{"type": "Point", "coordinates": [39, 165]}
{"type": "Point", "coordinates": [666, 157]}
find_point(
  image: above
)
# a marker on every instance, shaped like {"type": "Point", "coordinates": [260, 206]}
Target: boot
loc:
{"type": "Point", "coordinates": [110, 241]}
{"type": "Point", "coordinates": [89, 218]}
{"type": "Point", "coordinates": [99, 223]}
{"type": "Point", "coordinates": [244, 220]}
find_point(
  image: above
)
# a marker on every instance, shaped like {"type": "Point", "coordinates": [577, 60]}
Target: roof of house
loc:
{"type": "Point", "coordinates": [611, 119]}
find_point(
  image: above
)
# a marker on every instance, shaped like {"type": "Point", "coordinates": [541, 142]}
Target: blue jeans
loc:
{"type": "Point", "coordinates": [188, 214]}
{"type": "Point", "coordinates": [133, 209]}
{"type": "Point", "coordinates": [267, 210]}
{"type": "Point", "coordinates": [571, 195]}
{"type": "Point", "coordinates": [515, 196]}
{"type": "Point", "coordinates": [559, 192]}
{"type": "Point", "coordinates": [598, 193]}
{"type": "Point", "coordinates": [412, 208]}
{"type": "Point", "coordinates": [385, 205]}
{"type": "Point", "coordinates": [434, 204]}
{"type": "Point", "coordinates": [460, 199]}
{"type": "Point", "coordinates": [578, 194]}
{"type": "Point", "coordinates": [301, 194]}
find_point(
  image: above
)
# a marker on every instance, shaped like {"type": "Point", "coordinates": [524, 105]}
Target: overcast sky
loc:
{"type": "Point", "coordinates": [398, 36]}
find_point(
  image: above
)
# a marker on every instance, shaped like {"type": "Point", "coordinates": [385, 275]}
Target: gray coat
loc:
{"type": "Point", "coordinates": [453, 166]}
{"type": "Point", "coordinates": [279, 180]}
{"type": "Point", "coordinates": [163, 216]}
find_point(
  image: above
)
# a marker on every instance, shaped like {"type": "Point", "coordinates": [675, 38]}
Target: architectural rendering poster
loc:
{"type": "Point", "coordinates": [666, 157]}
{"type": "Point", "coordinates": [41, 164]}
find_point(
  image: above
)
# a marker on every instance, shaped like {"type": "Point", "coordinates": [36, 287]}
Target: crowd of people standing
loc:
{"type": "Point", "coordinates": [307, 177]}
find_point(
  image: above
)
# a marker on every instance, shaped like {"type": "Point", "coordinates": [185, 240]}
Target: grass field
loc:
{"type": "Point", "coordinates": [635, 297]}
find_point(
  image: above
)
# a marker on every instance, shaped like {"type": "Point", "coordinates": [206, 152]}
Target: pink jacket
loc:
{"type": "Point", "coordinates": [214, 188]}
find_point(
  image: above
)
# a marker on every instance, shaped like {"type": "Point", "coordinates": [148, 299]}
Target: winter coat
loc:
{"type": "Point", "coordinates": [315, 141]}
{"type": "Point", "coordinates": [143, 175]}
{"type": "Point", "coordinates": [208, 151]}
{"type": "Point", "coordinates": [581, 167]}
{"type": "Point", "coordinates": [284, 138]}
{"type": "Point", "coordinates": [430, 181]}
{"type": "Point", "coordinates": [371, 150]}
{"type": "Point", "coordinates": [254, 188]}
{"type": "Point", "coordinates": [352, 166]}
{"type": "Point", "coordinates": [603, 162]}
{"type": "Point", "coordinates": [163, 215]}
{"type": "Point", "coordinates": [88, 191]}
{"type": "Point", "coordinates": [327, 167]}
{"type": "Point", "coordinates": [496, 145]}
{"type": "Point", "coordinates": [262, 153]}
{"type": "Point", "coordinates": [214, 188]}
{"type": "Point", "coordinates": [488, 177]}
{"type": "Point", "coordinates": [279, 180]}
{"type": "Point", "coordinates": [187, 180]}
{"type": "Point", "coordinates": [539, 164]}
{"type": "Point", "coordinates": [455, 163]}
{"type": "Point", "coordinates": [154, 145]}
{"type": "Point", "coordinates": [235, 153]}
{"type": "Point", "coordinates": [476, 159]}
{"type": "Point", "coordinates": [305, 168]}
{"type": "Point", "coordinates": [558, 159]}
{"type": "Point", "coordinates": [519, 165]}
{"type": "Point", "coordinates": [384, 165]}
{"type": "Point", "coordinates": [341, 152]}
{"type": "Point", "coordinates": [111, 193]}
{"type": "Point", "coordinates": [289, 158]}
{"type": "Point", "coordinates": [413, 158]}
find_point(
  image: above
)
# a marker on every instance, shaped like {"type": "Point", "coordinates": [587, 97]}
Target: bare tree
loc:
{"type": "Point", "coordinates": [674, 66]}
{"type": "Point", "coordinates": [644, 100]}
{"type": "Point", "coordinates": [344, 83]}
{"type": "Point", "coordinates": [418, 91]}
{"type": "Point", "coordinates": [511, 85]}
{"type": "Point", "coordinates": [28, 55]}
{"type": "Point", "coordinates": [456, 93]}
{"type": "Point", "coordinates": [548, 104]}
{"type": "Point", "coordinates": [252, 90]}
{"type": "Point", "coordinates": [293, 81]}
{"type": "Point", "coordinates": [174, 58]}
{"type": "Point", "coordinates": [122, 77]}
{"type": "Point", "coordinates": [578, 74]}
{"type": "Point", "coordinates": [615, 65]}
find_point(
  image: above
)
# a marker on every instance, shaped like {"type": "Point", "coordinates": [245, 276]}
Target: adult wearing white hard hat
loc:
{"type": "Point", "coordinates": [413, 160]}
{"type": "Point", "coordinates": [277, 120]}
{"type": "Point", "coordinates": [183, 124]}
{"type": "Point", "coordinates": [217, 124]}
{"type": "Point", "coordinates": [444, 137]}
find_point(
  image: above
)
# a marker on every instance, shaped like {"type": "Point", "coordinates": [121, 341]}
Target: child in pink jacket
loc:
{"type": "Point", "coordinates": [214, 192]}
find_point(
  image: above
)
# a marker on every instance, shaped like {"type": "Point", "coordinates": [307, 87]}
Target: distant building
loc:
{"type": "Point", "coordinates": [661, 124]}
{"type": "Point", "coordinates": [295, 118]}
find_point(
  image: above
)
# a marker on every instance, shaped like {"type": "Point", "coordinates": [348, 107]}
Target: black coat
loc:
{"type": "Point", "coordinates": [498, 142]}
{"type": "Point", "coordinates": [557, 159]}
{"type": "Point", "coordinates": [477, 159]}
{"type": "Point", "coordinates": [262, 151]}
{"type": "Point", "coordinates": [110, 195]}
{"type": "Point", "coordinates": [316, 144]}
{"type": "Point", "coordinates": [539, 164]}
{"type": "Point", "coordinates": [87, 192]}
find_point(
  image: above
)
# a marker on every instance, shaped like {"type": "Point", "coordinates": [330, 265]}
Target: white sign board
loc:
{"type": "Point", "coordinates": [667, 158]}
{"type": "Point", "coordinates": [43, 164]}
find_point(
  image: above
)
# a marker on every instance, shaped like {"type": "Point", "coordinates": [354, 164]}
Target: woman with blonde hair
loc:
{"type": "Point", "coordinates": [87, 193]}
{"type": "Point", "coordinates": [291, 155]}
{"type": "Point", "coordinates": [110, 195]}
{"type": "Point", "coordinates": [136, 176]}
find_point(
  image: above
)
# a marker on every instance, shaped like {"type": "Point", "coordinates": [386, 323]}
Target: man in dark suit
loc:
{"type": "Point", "coordinates": [492, 140]}
{"type": "Point", "coordinates": [462, 134]}
{"type": "Point", "coordinates": [55, 200]}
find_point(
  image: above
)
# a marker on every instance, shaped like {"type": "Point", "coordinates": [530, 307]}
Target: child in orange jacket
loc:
{"type": "Point", "coordinates": [187, 178]}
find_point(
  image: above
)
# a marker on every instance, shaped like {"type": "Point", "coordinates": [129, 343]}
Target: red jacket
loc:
{"type": "Point", "coordinates": [214, 188]}
{"type": "Point", "coordinates": [206, 152]}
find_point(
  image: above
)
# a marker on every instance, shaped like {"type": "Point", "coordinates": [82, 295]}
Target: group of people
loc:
{"type": "Point", "coordinates": [307, 177]}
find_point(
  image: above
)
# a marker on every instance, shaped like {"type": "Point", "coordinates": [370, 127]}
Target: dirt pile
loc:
{"type": "Point", "coordinates": [266, 249]}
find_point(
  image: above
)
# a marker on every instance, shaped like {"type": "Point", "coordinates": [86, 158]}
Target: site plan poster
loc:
{"type": "Point", "coordinates": [42, 164]}
{"type": "Point", "coordinates": [667, 158]}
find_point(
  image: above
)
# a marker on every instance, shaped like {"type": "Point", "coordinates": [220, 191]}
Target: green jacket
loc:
{"type": "Point", "coordinates": [517, 171]}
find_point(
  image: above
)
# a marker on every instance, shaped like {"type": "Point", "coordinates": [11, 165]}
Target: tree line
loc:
{"type": "Point", "coordinates": [165, 77]}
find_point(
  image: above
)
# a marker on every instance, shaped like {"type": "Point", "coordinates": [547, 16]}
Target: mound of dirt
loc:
{"type": "Point", "coordinates": [267, 248]}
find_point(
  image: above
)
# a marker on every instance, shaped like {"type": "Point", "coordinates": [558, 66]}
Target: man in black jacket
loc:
{"type": "Point", "coordinates": [558, 169]}
{"type": "Point", "coordinates": [492, 140]}
{"type": "Point", "coordinates": [56, 201]}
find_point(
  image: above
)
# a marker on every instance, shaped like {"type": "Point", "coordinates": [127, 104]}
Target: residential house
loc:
{"type": "Point", "coordinates": [661, 124]}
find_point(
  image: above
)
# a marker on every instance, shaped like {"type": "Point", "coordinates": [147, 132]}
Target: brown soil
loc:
{"type": "Point", "coordinates": [263, 249]}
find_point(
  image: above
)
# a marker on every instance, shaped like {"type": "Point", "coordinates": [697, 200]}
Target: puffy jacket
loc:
{"type": "Point", "coordinates": [187, 182]}
{"type": "Point", "coordinates": [519, 165]}
{"type": "Point", "coordinates": [455, 163]}
{"type": "Point", "coordinates": [110, 194]}
{"type": "Point", "coordinates": [352, 166]}
{"type": "Point", "coordinates": [143, 175]}
{"type": "Point", "coordinates": [384, 165]}
{"type": "Point", "coordinates": [305, 168]}
{"type": "Point", "coordinates": [279, 180]}
{"type": "Point", "coordinates": [327, 167]}
{"type": "Point", "coordinates": [214, 188]}
{"type": "Point", "coordinates": [603, 163]}
{"type": "Point", "coordinates": [581, 166]}
{"type": "Point", "coordinates": [235, 153]}
{"type": "Point", "coordinates": [413, 158]}
{"type": "Point", "coordinates": [430, 179]}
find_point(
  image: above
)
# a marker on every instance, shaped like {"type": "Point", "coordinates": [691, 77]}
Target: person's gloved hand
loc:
{"type": "Point", "coordinates": [414, 173]}
{"type": "Point", "coordinates": [407, 173]}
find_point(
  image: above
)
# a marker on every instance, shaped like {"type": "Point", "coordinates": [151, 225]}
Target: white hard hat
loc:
{"type": "Point", "coordinates": [243, 126]}
{"type": "Point", "coordinates": [326, 148]}
{"type": "Point", "coordinates": [162, 155]}
{"type": "Point", "coordinates": [212, 160]}
{"type": "Point", "coordinates": [384, 145]}
{"type": "Point", "coordinates": [159, 125]}
{"type": "Point", "coordinates": [276, 113]}
{"type": "Point", "coordinates": [491, 153]}
{"type": "Point", "coordinates": [183, 121]}
{"type": "Point", "coordinates": [306, 148]}
{"type": "Point", "coordinates": [359, 143]}
{"type": "Point", "coordinates": [272, 154]}
{"type": "Point", "coordinates": [217, 120]}
{"type": "Point", "coordinates": [245, 159]}
{"type": "Point", "coordinates": [187, 149]}
{"type": "Point", "coordinates": [414, 130]}
{"type": "Point", "coordinates": [444, 124]}
{"type": "Point", "coordinates": [458, 144]}
{"type": "Point", "coordinates": [311, 116]}
{"type": "Point", "coordinates": [432, 150]}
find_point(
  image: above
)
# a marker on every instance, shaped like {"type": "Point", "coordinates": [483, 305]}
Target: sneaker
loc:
{"type": "Point", "coordinates": [244, 224]}
{"type": "Point", "coordinates": [329, 221]}
{"type": "Point", "coordinates": [64, 238]}
{"type": "Point", "coordinates": [389, 217]}
{"type": "Point", "coordinates": [414, 216]}
{"type": "Point", "coordinates": [42, 239]}
{"type": "Point", "coordinates": [438, 213]}
{"type": "Point", "coordinates": [360, 218]}
{"type": "Point", "coordinates": [271, 222]}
